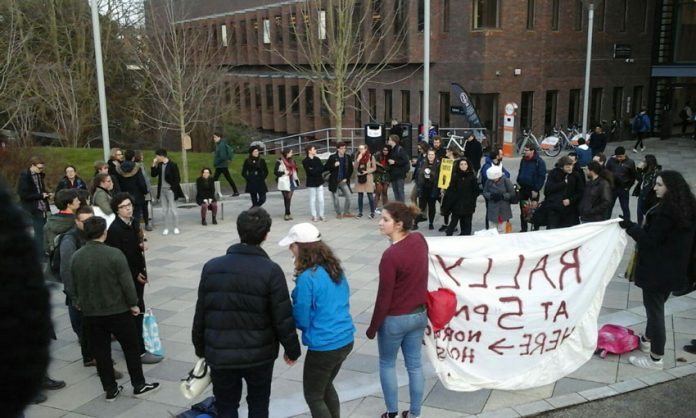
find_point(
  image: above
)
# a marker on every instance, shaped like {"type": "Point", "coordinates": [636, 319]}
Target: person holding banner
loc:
{"type": "Point", "coordinates": [498, 192]}
{"type": "Point", "coordinates": [461, 197]}
{"type": "Point", "coordinates": [664, 248]}
{"type": "Point", "coordinates": [428, 192]}
{"type": "Point", "coordinates": [400, 317]}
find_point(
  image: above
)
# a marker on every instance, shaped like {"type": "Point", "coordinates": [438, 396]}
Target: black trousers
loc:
{"type": "Point", "coordinates": [77, 326]}
{"type": "Point", "coordinates": [227, 388]}
{"type": "Point", "coordinates": [654, 302]}
{"type": "Point", "coordinates": [464, 224]}
{"type": "Point", "coordinates": [226, 172]}
{"type": "Point", "coordinates": [320, 370]}
{"type": "Point", "coordinates": [257, 198]}
{"type": "Point", "coordinates": [99, 330]}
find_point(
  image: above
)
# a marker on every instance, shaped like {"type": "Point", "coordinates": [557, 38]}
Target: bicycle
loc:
{"type": "Point", "coordinates": [548, 145]}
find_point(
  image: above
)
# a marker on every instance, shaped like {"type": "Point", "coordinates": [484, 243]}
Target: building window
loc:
{"type": "Point", "coordinates": [527, 110]}
{"type": "Point", "coordinates": [322, 24]}
{"type": "Point", "coordinates": [357, 21]}
{"type": "Point", "coordinates": [293, 27]}
{"type": "Point", "coordinates": [405, 106]}
{"type": "Point", "coordinates": [550, 110]}
{"type": "Point", "coordinates": [254, 31]}
{"type": "Point", "coordinates": [237, 96]}
{"type": "Point", "coordinates": [555, 14]}
{"type": "Point", "coordinates": [600, 9]}
{"type": "Point", "coordinates": [228, 93]}
{"type": "Point", "coordinates": [421, 15]}
{"type": "Point", "coordinates": [278, 29]}
{"type": "Point", "coordinates": [247, 95]}
{"type": "Point", "coordinates": [242, 32]}
{"type": "Point", "coordinates": [574, 107]}
{"type": "Point", "coordinates": [377, 20]}
{"type": "Point", "coordinates": [295, 95]}
{"type": "Point", "coordinates": [212, 35]}
{"type": "Point", "coordinates": [486, 14]}
{"type": "Point", "coordinates": [387, 105]}
{"type": "Point", "coordinates": [637, 99]}
{"type": "Point", "coordinates": [579, 12]}
{"type": "Point", "coordinates": [309, 100]}
{"type": "Point", "coordinates": [232, 33]}
{"type": "Point", "coordinates": [624, 15]}
{"type": "Point", "coordinates": [445, 15]}
{"type": "Point", "coordinates": [266, 31]}
{"type": "Point", "coordinates": [530, 14]}
{"type": "Point", "coordinates": [257, 96]}
{"type": "Point", "coordinates": [223, 35]}
{"type": "Point", "coordinates": [444, 109]}
{"type": "Point", "coordinates": [617, 103]}
{"type": "Point", "coordinates": [596, 106]}
{"type": "Point", "coordinates": [281, 99]}
{"type": "Point", "coordinates": [269, 97]}
{"type": "Point", "coordinates": [685, 33]}
{"type": "Point", "coordinates": [372, 103]}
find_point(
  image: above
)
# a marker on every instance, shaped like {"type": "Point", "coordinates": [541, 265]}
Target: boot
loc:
{"type": "Point", "coordinates": [203, 222]}
{"type": "Point", "coordinates": [214, 220]}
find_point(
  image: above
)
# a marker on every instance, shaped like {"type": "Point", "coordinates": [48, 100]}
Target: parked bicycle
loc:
{"type": "Point", "coordinates": [549, 145]}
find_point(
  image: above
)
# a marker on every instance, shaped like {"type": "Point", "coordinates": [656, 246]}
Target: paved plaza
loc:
{"type": "Point", "coordinates": [174, 265]}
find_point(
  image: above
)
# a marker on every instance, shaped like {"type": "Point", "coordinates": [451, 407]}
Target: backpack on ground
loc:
{"type": "Point", "coordinates": [616, 339]}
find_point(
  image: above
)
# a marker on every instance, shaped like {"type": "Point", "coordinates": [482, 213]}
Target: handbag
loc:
{"type": "Point", "coordinates": [326, 175]}
{"type": "Point", "coordinates": [362, 178]}
{"type": "Point", "coordinates": [198, 379]}
{"type": "Point", "coordinates": [151, 337]}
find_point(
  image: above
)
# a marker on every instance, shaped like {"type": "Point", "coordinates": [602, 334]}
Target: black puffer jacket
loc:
{"type": "Point", "coordinates": [461, 195]}
{"type": "Point", "coordinates": [243, 311]}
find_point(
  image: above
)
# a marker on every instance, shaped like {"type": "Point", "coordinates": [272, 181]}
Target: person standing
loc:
{"type": "Point", "coordinates": [125, 234]}
{"type": "Point", "coordinates": [400, 315]}
{"type": "Point", "coordinates": [243, 313]}
{"type": "Point", "coordinates": [461, 198]}
{"type": "Point", "coordinates": [132, 181]}
{"type": "Point", "coordinates": [148, 196]}
{"type": "Point", "coordinates": [205, 196]}
{"type": "Point", "coordinates": [105, 294]}
{"type": "Point", "coordinates": [340, 165]}
{"type": "Point", "coordinates": [664, 249]}
{"type": "Point", "coordinates": [437, 146]}
{"type": "Point", "coordinates": [495, 157]}
{"type": "Point", "coordinates": [34, 197]}
{"type": "Point", "coordinates": [498, 192]}
{"type": "Point", "coordinates": [286, 172]}
{"type": "Point", "coordinates": [382, 178]}
{"type": "Point", "coordinates": [168, 188]}
{"type": "Point", "coordinates": [597, 198]}
{"type": "Point", "coordinates": [428, 192]}
{"type": "Point", "coordinates": [314, 168]}
{"type": "Point", "coordinates": [221, 161]}
{"type": "Point", "coordinates": [646, 173]}
{"type": "Point", "coordinates": [686, 115]}
{"type": "Point", "coordinates": [530, 178]}
{"type": "Point", "coordinates": [255, 172]}
{"type": "Point", "coordinates": [67, 202]}
{"type": "Point", "coordinates": [365, 166]}
{"type": "Point", "coordinates": [321, 308]}
{"type": "Point", "coordinates": [473, 151]}
{"type": "Point", "coordinates": [71, 180]}
{"type": "Point", "coordinates": [398, 167]}
{"type": "Point", "coordinates": [563, 191]}
{"type": "Point", "coordinates": [584, 153]}
{"type": "Point", "coordinates": [101, 193]}
{"type": "Point", "coordinates": [624, 171]}
{"type": "Point", "coordinates": [641, 128]}
{"type": "Point", "coordinates": [598, 141]}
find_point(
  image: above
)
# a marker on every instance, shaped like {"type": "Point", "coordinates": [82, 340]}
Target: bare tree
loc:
{"type": "Point", "coordinates": [343, 47]}
{"type": "Point", "coordinates": [14, 73]}
{"type": "Point", "coordinates": [180, 67]}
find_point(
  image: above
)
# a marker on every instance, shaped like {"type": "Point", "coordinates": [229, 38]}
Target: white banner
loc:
{"type": "Point", "coordinates": [527, 304]}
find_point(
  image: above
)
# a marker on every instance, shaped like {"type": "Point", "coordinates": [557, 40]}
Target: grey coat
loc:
{"type": "Point", "coordinates": [499, 207]}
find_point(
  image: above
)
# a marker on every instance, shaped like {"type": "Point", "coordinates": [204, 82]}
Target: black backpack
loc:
{"type": "Point", "coordinates": [54, 255]}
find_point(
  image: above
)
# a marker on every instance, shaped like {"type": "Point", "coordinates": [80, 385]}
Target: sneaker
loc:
{"type": "Point", "coordinates": [371, 216]}
{"type": "Point", "coordinates": [378, 211]}
{"type": "Point", "coordinates": [645, 362]}
{"type": "Point", "coordinates": [323, 219]}
{"type": "Point", "coordinates": [407, 414]}
{"type": "Point", "coordinates": [634, 150]}
{"type": "Point", "coordinates": [51, 384]}
{"type": "Point", "coordinates": [111, 395]}
{"type": "Point", "coordinates": [176, 231]}
{"type": "Point", "coordinates": [644, 345]}
{"type": "Point", "coordinates": [359, 215]}
{"type": "Point", "coordinates": [149, 358]}
{"type": "Point", "coordinates": [443, 228]}
{"type": "Point", "coordinates": [146, 388]}
{"type": "Point", "coordinates": [314, 218]}
{"type": "Point", "coordinates": [286, 217]}
{"type": "Point", "coordinates": [165, 232]}
{"type": "Point", "coordinates": [348, 215]}
{"type": "Point", "coordinates": [642, 149]}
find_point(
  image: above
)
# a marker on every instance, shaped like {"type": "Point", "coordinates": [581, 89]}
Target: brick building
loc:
{"type": "Point", "coordinates": [531, 52]}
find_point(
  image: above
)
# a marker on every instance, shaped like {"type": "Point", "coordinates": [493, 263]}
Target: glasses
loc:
{"type": "Point", "coordinates": [125, 205]}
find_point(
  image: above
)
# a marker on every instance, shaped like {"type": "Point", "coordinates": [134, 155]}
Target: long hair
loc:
{"type": "Point", "coordinates": [678, 200]}
{"type": "Point", "coordinates": [597, 168]}
{"type": "Point", "coordinates": [313, 254]}
{"type": "Point", "coordinates": [650, 163]}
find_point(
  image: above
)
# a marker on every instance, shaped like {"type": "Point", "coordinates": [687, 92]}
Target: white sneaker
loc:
{"type": "Point", "coordinates": [644, 345]}
{"type": "Point", "coordinates": [645, 362]}
{"type": "Point", "coordinates": [165, 232]}
{"type": "Point", "coordinates": [634, 150]}
{"type": "Point", "coordinates": [642, 149]}
{"type": "Point", "coordinates": [176, 231]}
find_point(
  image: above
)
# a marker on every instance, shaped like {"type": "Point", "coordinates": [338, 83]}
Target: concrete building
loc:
{"type": "Point", "coordinates": [531, 52]}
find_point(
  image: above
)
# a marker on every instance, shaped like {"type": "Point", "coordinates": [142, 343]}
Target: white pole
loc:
{"type": "Point", "coordinates": [588, 64]}
{"type": "Point", "coordinates": [426, 70]}
{"type": "Point", "coordinates": [100, 79]}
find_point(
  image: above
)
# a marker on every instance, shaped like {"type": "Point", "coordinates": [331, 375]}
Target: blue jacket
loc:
{"type": "Point", "coordinates": [322, 310]}
{"type": "Point", "coordinates": [488, 165]}
{"type": "Point", "coordinates": [584, 156]}
{"type": "Point", "coordinates": [532, 173]}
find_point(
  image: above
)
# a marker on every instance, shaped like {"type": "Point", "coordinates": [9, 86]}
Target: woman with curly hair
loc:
{"type": "Point", "coordinates": [664, 245]}
{"type": "Point", "coordinates": [322, 312]}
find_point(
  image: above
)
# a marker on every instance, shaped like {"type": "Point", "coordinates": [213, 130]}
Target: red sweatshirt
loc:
{"type": "Point", "coordinates": [403, 280]}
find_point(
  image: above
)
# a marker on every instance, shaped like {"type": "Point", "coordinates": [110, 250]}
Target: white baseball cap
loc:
{"type": "Point", "coordinates": [304, 233]}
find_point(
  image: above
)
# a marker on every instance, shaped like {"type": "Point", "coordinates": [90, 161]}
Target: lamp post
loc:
{"type": "Point", "coordinates": [100, 79]}
{"type": "Point", "coordinates": [426, 69]}
{"type": "Point", "coordinates": [588, 64]}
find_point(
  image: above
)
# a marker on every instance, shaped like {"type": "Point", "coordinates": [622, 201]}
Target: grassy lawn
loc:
{"type": "Point", "coordinates": [83, 159]}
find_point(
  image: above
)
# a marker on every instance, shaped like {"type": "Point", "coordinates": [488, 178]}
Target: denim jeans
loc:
{"type": "Point", "coordinates": [398, 189]}
{"type": "Point", "coordinates": [320, 370]}
{"type": "Point", "coordinates": [169, 208]}
{"type": "Point", "coordinates": [227, 388]}
{"type": "Point", "coordinates": [623, 196]}
{"type": "Point", "coordinates": [370, 201]}
{"type": "Point", "coordinates": [405, 332]}
{"type": "Point", "coordinates": [341, 188]}
{"type": "Point", "coordinates": [316, 201]}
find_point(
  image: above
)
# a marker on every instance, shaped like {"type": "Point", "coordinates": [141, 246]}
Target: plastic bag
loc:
{"type": "Point", "coordinates": [151, 337]}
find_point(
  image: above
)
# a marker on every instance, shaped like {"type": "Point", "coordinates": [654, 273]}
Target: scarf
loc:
{"type": "Point", "coordinates": [365, 158]}
{"type": "Point", "coordinates": [290, 166]}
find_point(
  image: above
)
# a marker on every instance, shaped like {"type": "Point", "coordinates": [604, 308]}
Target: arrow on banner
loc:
{"type": "Point", "coordinates": [496, 345]}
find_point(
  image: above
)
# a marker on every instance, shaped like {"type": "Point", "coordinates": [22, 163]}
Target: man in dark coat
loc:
{"type": "Point", "coordinates": [243, 314]}
{"type": "Point", "coordinates": [624, 171]}
{"type": "Point", "coordinates": [168, 188]}
{"type": "Point", "coordinates": [530, 178]}
{"type": "Point", "coordinates": [340, 165]}
{"type": "Point", "coordinates": [34, 197]}
{"type": "Point", "coordinates": [563, 191]}
{"type": "Point", "coordinates": [131, 180]}
{"type": "Point", "coordinates": [399, 165]}
{"type": "Point", "coordinates": [126, 235]}
{"type": "Point", "coordinates": [473, 151]}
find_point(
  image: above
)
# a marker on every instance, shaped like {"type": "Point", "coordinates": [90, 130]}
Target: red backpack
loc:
{"type": "Point", "coordinates": [616, 339]}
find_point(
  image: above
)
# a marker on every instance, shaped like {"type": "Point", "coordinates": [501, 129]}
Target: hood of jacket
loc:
{"type": "Point", "coordinates": [128, 169]}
